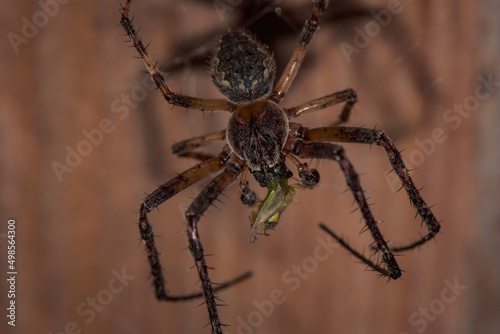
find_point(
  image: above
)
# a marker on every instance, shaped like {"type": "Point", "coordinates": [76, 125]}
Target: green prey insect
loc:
{"type": "Point", "coordinates": [269, 211]}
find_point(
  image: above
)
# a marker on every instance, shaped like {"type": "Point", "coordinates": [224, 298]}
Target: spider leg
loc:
{"type": "Point", "coordinates": [357, 254]}
{"type": "Point", "coordinates": [196, 142]}
{"type": "Point", "coordinates": [193, 214]}
{"type": "Point", "coordinates": [335, 152]}
{"type": "Point", "coordinates": [295, 61]}
{"type": "Point", "coordinates": [377, 137]}
{"type": "Point", "coordinates": [247, 195]}
{"type": "Point", "coordinates": [348, 96]}
{"type": "Point", "coordinates": [186, 147]}
{"type": "Point", "coordinates": [184, 180]}
{"type": "Point", "coordinates": [156, 198]}
{"type": "Point", "coordinates": [172, 98]}
{"type": "Point", "coordinates": [196, 155]}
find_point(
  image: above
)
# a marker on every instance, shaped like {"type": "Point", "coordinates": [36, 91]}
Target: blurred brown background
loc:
{"type": "Point", "coordinates": [77, 230]}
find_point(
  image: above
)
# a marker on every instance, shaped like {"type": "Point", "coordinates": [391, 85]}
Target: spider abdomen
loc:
{"type": "Point", "coordinates": [242, 68]}
{"type": "Point", "coordinates": [257, 133]}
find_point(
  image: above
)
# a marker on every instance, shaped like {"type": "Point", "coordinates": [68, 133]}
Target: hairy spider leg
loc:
{"type": "Point", "coordinates": [379, 138]}
{"type": "Point", "coordinates": [185, 149]}
{"type": "Point", "coordinates": [233, 168]}
{"type": "Point", "coordinates": [172, 98]}
{"type": "Point", "coordinates": [354, 252]}
{"type": "Point", "coordinates": [330, 151]}
{"type": "Point", "coordinates": [197, 142]}
{"type": "Point", "coordinates": [156, 198]}
{"type": "Point", "coordinates": [348, 96]}
{"type": "Point", "coordinates": [295, 61]}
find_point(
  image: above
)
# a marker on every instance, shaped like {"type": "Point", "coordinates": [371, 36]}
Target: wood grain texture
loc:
{"type": "Point", "coordinates": [76, 232]}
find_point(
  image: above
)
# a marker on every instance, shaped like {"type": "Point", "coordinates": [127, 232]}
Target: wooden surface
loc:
{"type": "Point", "coordinates": [78, 230]}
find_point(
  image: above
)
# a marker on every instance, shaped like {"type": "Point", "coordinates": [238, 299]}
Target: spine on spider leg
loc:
{"type": "Point", "coordinates": [154, 262]}
{"type": "Point", "coordinates": [203, 201]}
{"type": "Point", "coordinates": [162, 194]}
{"type": "Point", "coordinates": [354, 184]}
{"type": "Point", "coordinates": [330, 151]}
{"type": "Point", "coordinates": [184, 180]}
{"type": "Point", "coordinates": [418, 202]}
{"type": "Point", "coordinates": [175, 99]}
{"type": "Point", "coordinates": [172, 98]}
{"type": "Point", "coordinates": [193, 214]}
{"type": "Point", "coordinates": [150, 65]}
{"type": "Point", "coordinates": [377, 137]}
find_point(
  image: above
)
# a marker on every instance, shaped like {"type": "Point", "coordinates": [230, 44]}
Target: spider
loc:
{"type": "Point", "coordinates": [259, 138]}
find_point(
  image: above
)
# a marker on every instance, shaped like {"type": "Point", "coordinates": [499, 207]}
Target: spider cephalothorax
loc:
{"type": "Point", "coordinates": [259, 138]}
{"type": "Point", "coordinates": [257, 132]}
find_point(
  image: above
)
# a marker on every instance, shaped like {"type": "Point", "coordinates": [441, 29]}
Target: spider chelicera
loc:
{"type": "Point", "coordinates": [259, 138]}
